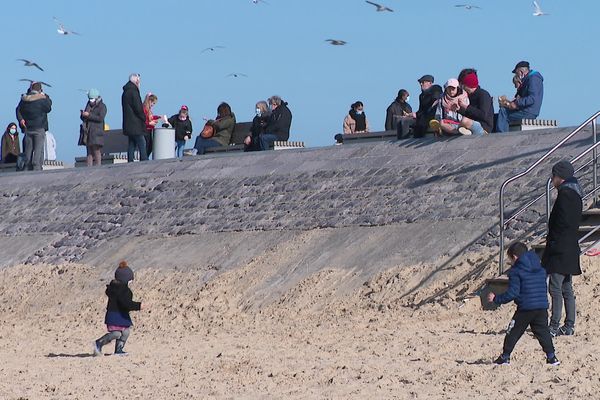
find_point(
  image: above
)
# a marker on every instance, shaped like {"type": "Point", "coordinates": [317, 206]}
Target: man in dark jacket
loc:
{"type": "Point", "coordinates": [134, 119]}
{"type": "Point", "coordinates": [430, 95]}
{"type": "Point", "coordinates": [528, 102]}
{"type": "Point", "coordinates": [278, 127]}
{"type": "Point", "coordinates": [480, 109]}
{"type": "Point", "coordinates": [561, 255]}
{"type": "Point", "coordinates": [527, 287]}
{"type": "Point", "coordinates": [33, 112]}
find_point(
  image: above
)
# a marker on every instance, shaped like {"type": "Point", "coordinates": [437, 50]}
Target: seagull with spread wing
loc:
{"type": "Point", "coordinates": [62, 30]}
{"type": "Point", "coordinates": [336, 42]}
{"type": "Point", "coordinates": [259, 1]}
{"type": "Point", "coordinates": [214, 48]}
{"type": "Point", "coordinates": [31, 81]}
{"type": "Point", "coordinates": [236, 75]}
{"type": "Point", "coordinates": [28, 63]}
{"type": "Point", "coordinates": [379, 6]}
{"type": "Point", "coordinates": [537, 10]}
{"type": "Point", "coordinates": [468, 6]}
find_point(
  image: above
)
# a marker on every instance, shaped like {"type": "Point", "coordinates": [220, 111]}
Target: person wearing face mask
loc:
{"type": "Point", "coordinates": [10, 144]}
{"type": "Point", "coordinates": [528, 101]}
{"type": "Point", "coordinates": [356, 121]}
{"type": "Point", "coordinates": [259, 126]}
{"type": "Point", "coordinates": [183, 129]}
{"type": "Point", "coordinates": [92, 118]}
{"type": "Point", "coordinates": [397, 110]}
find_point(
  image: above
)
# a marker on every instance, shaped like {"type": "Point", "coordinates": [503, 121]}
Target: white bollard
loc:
{"type": "Point", "coordinates": [163, 144]}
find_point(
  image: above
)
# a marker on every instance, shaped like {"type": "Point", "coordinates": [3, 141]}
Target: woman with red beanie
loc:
{"type": "Point", "coordinates": [480, 111]}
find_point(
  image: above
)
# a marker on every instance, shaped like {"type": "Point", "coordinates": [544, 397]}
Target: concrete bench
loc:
{"type": "Point", "coordinates": [47, 166]}
{"type": "Point", "coordinates": [532, 124]}
{"type": "Point", "coordinates": [369, 137]}
{"type": "Point", "coordinates": [107, 159]}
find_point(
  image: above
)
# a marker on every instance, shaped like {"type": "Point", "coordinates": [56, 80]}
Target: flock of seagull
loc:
{"type": "Point", "coordinates": [62, 30]}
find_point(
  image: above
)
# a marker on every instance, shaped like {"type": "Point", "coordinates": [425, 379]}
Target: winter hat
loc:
{"type": "Point", "coordinates": [93, 94]}
{"type": "Point", "coordinates": [123, 273]}
{"type": "Point", "coordinates": [563, 169]}
{"type": "Point", "coordinates": [471, 81]}
{"type": "Point", "coordinates": [452, 82]}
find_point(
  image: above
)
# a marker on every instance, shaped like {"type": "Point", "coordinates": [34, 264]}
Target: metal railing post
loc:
{"type": "Point", "coordinates": [548, 200]}
{"type": "Point", "coordinates": [501, 260]}
{"type": "Point", "coordinates": [595, 157]}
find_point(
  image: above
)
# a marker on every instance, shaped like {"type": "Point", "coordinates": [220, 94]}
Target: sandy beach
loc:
{"type": "Point", "coordinates": [213, 340]}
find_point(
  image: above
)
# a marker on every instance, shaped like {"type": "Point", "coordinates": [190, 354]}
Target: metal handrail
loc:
{"type": "Point", "coordinates": [592, 120]}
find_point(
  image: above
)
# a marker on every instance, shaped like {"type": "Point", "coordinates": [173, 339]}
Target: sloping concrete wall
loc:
{"type": "Point", "coordinates": [363, 206]}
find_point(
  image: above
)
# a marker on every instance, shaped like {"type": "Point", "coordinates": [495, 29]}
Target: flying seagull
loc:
{"type": "Point", "coordinates": [237, 75]}
{"type": "Point", "coordinates": [468, 6]}
{"type": "Point", "coordinates": [28, 63]}
{"type": "Point", "coordinates": [214, 48]}
{"type": "Point", "coordinates": [379, 6]}
{"type": "Point", "coordinates": [64, 31]}
{"type": "Point", "coordinates": [336, 42]}
{"type": "Point", "coordinates": [537, 10]}
{"type": "Point", "coordinates": [32, 81]}
{"type": "Point", "coordinates": [259, 1]}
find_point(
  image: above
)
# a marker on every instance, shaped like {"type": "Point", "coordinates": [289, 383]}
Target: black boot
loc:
{"type": "Point", "coordinates": [119, 348]}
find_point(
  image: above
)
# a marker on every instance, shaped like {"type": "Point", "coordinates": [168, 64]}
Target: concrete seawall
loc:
{"type": "Point", "coordinates": [363, 207]}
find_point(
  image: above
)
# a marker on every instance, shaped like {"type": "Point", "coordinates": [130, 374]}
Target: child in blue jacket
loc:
{"type": "Point", "coordinates": [527, 287]}
{"type": "Point", "coordinates": [120, 303]}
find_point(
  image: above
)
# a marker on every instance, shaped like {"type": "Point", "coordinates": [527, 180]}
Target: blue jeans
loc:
{"type": "Point", "coordinates": [202, 144]}
{"type": "Point", "coordinates": [137, 142]}
{"type": "Point", "coordinates": [477, 129]}
{"type": "Point", "coordinates": [179, 145]}
{"type": "Point", "coordinates": [505, 116]}
{"type": "Point", "coordinates": [267, 140]}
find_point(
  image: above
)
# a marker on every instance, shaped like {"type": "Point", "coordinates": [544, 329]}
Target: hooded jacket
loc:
{"type": "Point", "coordinates": [224, 128]}
{"type": "Point", "coordinates": [120, 303]}
{"type": "Point", "coordinates": [34, 108]}
{"type": "Point", "coordinates": [280, 122]}
{"type": "Point", "coordinates": [562, 251]}
{"type": "Point", "coordinates": [531, 93]}
{"type": "Point", "coordinates": [10, 145]}
{"type": "Point", "coordinates": [526, 284]}
{"type": "Point", "coordinates": [134, 119]}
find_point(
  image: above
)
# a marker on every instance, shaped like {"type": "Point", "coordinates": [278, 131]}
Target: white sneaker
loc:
{"type": "Point", "coordinates": [464, 131]}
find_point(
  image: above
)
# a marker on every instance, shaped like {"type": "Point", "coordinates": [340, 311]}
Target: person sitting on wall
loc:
{"type": "Point", "coordinates": [259, 126]}
{"type": "Point", "coordinates": [278, 127]}
{"type": "Point", "coordinates": [528, 102]}
{"type": "Point", "coordinates": [428, 100]}
{"type": "Point", "coordinates": [399, 115]}
{"type": "Point", "coordinates": [356, 121]}
{"type": "Point", "coordinates": [480, 111]}
{"type": "Point", "coordinates": [223, 127]}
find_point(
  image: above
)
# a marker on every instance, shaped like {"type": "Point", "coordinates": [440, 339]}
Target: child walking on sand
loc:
{"type": "Point", "coordinates": [527, 287]}
{"type": "Point", "coordinates": [120, 303]}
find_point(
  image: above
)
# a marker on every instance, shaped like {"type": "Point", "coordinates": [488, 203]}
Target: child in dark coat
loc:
{"type": "Point", "coordinates": [120, 303]}
{"type": "Point", "coordinates": [527, 287]}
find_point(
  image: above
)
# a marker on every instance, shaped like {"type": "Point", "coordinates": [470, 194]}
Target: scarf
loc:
{"type": "Point", "coordinates": [448, 101]}
{"type": "Point", "coordinates": [361, 121]}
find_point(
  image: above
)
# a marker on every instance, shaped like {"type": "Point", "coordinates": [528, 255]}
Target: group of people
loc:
{"type": "Point", "coordinates": [461, 107]}
{"type": "Point", "coordinates": [271, 123]}
{"type": "Point", "coordinates": [529, 275]}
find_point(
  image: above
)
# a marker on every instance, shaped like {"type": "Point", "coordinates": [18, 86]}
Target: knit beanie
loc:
{"type": "Point", "coordinates": [93, 94]}
{"type": "Point", "coordinates": [123, 273]}
{"type": "Point", "coordinates": [563, 169]}
{"type": "Point", "coordinates": [471, 81]}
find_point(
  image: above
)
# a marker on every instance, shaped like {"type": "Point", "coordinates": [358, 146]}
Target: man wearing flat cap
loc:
{"type": "Point", "coordinates": [528, 101]}
{"type": "Point", "coordinates": [430, 94]}
{"type": "Point", "coordinates": [561, 255]}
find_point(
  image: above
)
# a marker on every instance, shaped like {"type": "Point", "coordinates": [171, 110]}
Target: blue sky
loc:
{"type": "Point", "coordinates": [280, 46]}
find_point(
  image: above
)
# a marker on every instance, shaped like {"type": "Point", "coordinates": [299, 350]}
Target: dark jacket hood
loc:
{"type": "Point", "coordinates": [115, 287]}
{"type": "Point", "coordinates": [33, 96]}
{"type": "Point", "coordinates": [572, 184]}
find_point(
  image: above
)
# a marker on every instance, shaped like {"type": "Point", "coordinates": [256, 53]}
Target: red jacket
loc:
{"type": "Point", "coordinates": [149, 118]}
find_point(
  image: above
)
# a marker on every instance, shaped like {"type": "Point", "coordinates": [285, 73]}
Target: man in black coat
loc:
{"type": "Point", "coordinates": [278, 127]}
{"type": "Point", "coordinates": [561, 255]}
{"type": "Point", "coordinates": [480, 109]}
{"type": "Point", "coordinates": [134, 119]}
{"type": "Point", "coordinates": [430, 95]}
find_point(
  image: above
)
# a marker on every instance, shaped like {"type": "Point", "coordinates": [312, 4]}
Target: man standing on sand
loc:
{"type": "Point", "coordinates": [561, 255]}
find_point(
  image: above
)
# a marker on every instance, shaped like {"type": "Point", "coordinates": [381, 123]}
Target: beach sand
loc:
{"type": "Point", "coordinates": [397, 336]}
